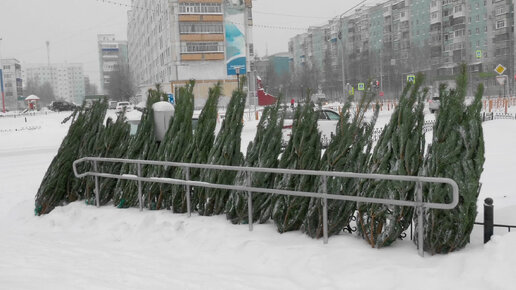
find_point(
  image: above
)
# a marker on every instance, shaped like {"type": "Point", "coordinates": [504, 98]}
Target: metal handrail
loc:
{"type": "Point", "coordinates": [418, 204]}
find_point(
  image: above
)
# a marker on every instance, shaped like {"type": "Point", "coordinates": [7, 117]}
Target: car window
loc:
{"type": "Point", "coordinates": [332, 115]}
{"type": "Point", "coordinates": [322, 116]}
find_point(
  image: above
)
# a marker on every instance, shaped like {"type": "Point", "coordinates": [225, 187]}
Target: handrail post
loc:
{"type": "Point", "coordinates": [187, 193]}
{"type": "Point", "coordinates": [249, 200]}
{"type": "Point", "coordinates": [140, 187]}
{"type": "Point", "coordinates": [325, 209]}
{"type": "Point", "coordinates": [488, 219]}
{"type": "Point", "coordinates": [97, 191]}
{"type": "Point", "coordinates": [420, 220]}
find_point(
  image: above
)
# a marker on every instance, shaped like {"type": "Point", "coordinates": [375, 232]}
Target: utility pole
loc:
{"type": "Point", "coordinates": [344, 49]}
{"type": "Point", "coordinates": [251, 80]}
{"type": "Point", "coordinates": [2, 79]}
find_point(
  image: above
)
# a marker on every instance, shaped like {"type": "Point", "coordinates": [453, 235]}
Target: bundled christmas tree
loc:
{"type": "Point", "coordinates": [263, 152]}
{"type": "Point", "coordinates": [348, 151]}
{"type": "Point", "coordinates": [91, 145]}
{"type": "Point", "coordinates": [173, 147]}
{"type": "Point", "coordinates": [225, 151]}
{"type": "Point", "coordinates": [303, 151]}
{"type": "Point", "coordinates": [57, 185]}
{"type": "Point", "coordinates": [399, 151]}
{"type": "Point", "coordinates": [457, 152]}
{"type": "Point", "coordinates": [142, 145]}
{"type": "Point", "coordinates": [115, 138]}
{"type": "Point", "coordinates": [198, 149]}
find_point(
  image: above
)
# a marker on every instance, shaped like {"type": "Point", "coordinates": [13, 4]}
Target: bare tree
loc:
{"type": "Point", "coordinates": [43, 91]}
{"type": "Point", "coordinates": [121, 86]}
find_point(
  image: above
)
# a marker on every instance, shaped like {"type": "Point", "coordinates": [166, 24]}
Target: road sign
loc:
{"type": "Point", "coordinates": [411, 78]}
{"type": "Point", "coordinates": [171, 99]}
{"type": "Point", "coordinates": [381, 94]}
{"type": "Point", "coordinates": [478, 53]}
{"type": "Point", "coordinates": [352, 91]}
{"type": "Point", "coordinates": [500, 69]}
{"type": "Point", "coordinates": [500, 80]}
{"type": "Point", "coordinates": [361, 86]}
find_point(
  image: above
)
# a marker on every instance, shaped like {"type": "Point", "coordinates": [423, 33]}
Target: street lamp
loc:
{"type": "Point", "coordinates": [2, 79]}
{"type": "Point", "coordinates": [381, 65]}
{"type": "Point", "coordinates": [342, 62]}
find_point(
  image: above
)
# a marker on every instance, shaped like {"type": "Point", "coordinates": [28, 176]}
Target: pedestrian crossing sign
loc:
{"type": "Point", "coordinates": [361, 86]}
{"type": "Point", "coordinates": [478, 53]}
{"type": "Point", "coordinates": [411, 78]}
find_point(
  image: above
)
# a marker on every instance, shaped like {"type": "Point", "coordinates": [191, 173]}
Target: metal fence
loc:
{"type": "Point", "coordinates": [419, 204]}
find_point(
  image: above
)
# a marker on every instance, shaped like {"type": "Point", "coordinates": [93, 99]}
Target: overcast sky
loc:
{"type": "Point", "coordinates": [71, 26]}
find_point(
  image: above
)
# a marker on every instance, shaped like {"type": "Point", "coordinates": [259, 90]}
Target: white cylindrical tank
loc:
{"type": "Point", "coordinates": [163, 112]}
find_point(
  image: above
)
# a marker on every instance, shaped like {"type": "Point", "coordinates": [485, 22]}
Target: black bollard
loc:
{"type": "Point", "coordinates": [488, 219]}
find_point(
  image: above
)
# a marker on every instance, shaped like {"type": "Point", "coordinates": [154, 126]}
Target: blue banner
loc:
{"type": "Point", "coordinates": [234, 25]}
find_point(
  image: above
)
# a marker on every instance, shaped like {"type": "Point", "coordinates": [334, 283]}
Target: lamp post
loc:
{"type": "Point", "coordinates": [381, 65]}
{"type": "Point", "coordinates": [2, 79]}
{"type": "Point", "coordinates": [343, 68]}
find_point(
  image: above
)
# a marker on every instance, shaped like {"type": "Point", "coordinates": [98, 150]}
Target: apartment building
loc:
{"type": "Point", "coordinates": [113, 56]}
{"type": "Point", "coordinates": [66, 79]}
{"type": "Point", "coordinates": [396, 38]}
{"type": "Point", "coordinates": [173, 41]}
{"type": "Point", "coordinates": [12, 82]}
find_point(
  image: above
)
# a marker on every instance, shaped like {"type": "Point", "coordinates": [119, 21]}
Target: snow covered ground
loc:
{"type": "Point", "coordinates": [84, 247]}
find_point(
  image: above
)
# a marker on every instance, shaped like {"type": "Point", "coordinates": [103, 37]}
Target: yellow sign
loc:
{"type": "Point", "coordinates": [411, 78]}
{"type": "Point", "coordinates": [500, 69]}
{"type": "Point", "coordinates": [361, 86]}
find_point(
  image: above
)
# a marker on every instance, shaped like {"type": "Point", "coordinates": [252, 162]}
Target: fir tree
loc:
{"type": "Point", "coordinates": [399, 151]}
{"type": "Point", "coordinates": [115, 138]}
{"type": "Point", "coordinates": [197, 151]}
{"type": "Point", "coordinates": [57, 185]}
{"type": "Point", "coordinates": [457, 152]}
{"type": "Point", "coordinates": [303, 151]}
{"type": "Point", "coordinates": [142, 145]}
{"type": "Point", "coordinates": [173, 147]}
{"type": "Point", "coordinates": [91, 145]}
{"type": "Point", "coordinates": [225, 151]}
{"type": "Point", "coordinates": [262, 152]}
{"type": "Point", "coordinates": [348, 151]}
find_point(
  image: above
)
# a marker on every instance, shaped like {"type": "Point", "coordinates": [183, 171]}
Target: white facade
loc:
{"type": "Point", "coordinates": [12, 81]}
{"type": "Point", "coordinates": [112, 55]}
{"type": "Point", "coordinates": [174, 41]}
{"type": "Point", "coordinates": [66, 79]}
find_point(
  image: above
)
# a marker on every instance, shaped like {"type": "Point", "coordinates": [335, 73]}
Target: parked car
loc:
{"type": "Point", "coordinates": [326, 123]}
{"type": "Point", "coordinates": [59, 106]}
{"type": "Point", "coordinates": [434, 104]}
{"type": "Point", "coordinates": [120, 106]}
{"type": "Point", "coordinates": [112, 105]}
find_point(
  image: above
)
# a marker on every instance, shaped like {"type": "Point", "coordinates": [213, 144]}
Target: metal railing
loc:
{"type": "Point", "coordinates": [418, 204]}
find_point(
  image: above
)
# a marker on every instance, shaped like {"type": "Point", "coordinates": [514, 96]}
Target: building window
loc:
{"type": "Point", "coordinates": [500, 24]}
{"type": "Point", "coordinates": [500, 10]}
{"type": "Point", "coordinates": [200, 27]}
{"type": "Point", "coordinates": [202, 47]}
{"type": "Point", "coordinates": [200, 8]}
